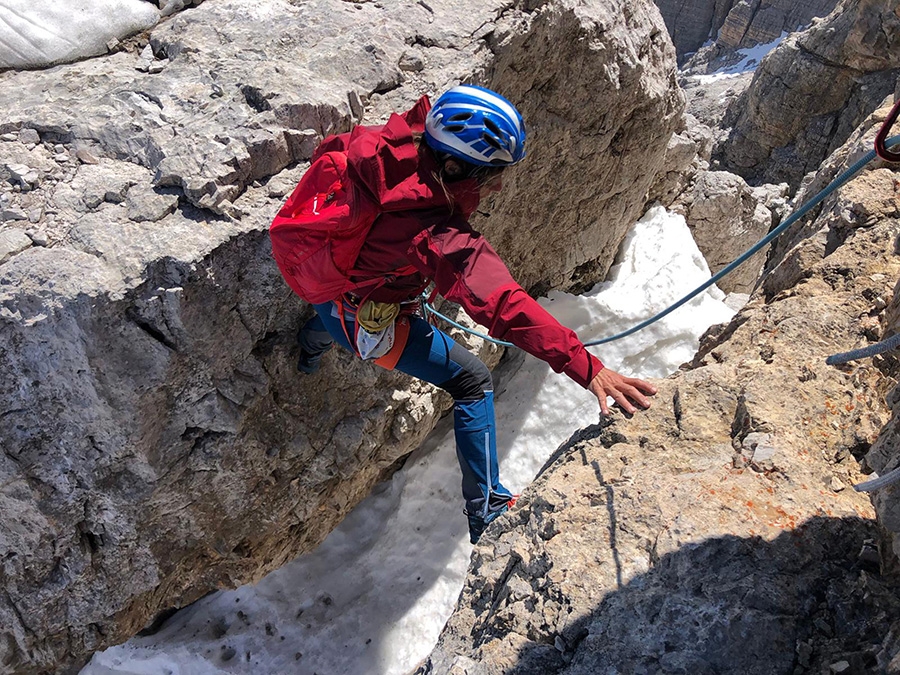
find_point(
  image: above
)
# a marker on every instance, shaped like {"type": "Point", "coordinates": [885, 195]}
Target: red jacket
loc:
{"type": "Point", "coordinates": [423, 234]}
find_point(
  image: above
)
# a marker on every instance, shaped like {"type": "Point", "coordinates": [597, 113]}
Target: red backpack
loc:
{"type": "Point", "coordinates": [318, 233]}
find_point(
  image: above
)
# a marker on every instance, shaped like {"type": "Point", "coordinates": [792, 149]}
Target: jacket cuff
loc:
{"type": "Point", "coordinates": [583, 368]}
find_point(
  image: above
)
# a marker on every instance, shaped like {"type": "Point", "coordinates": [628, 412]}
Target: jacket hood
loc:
{"type": "Point", "coordinates": [400, 175]}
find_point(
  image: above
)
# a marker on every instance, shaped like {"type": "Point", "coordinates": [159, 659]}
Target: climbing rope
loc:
{"type": "Point", "coordinates": [815, 201]}
{"type": "Point", "coordinates": [865, 352]}
{"type": "Point", "coordinates": [890, 478]}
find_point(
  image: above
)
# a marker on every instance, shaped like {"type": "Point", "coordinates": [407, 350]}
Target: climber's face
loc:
{"type": "Point", "coordinates": [493, 183]}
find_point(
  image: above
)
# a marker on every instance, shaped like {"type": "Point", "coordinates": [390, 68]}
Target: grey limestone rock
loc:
{"type": "Point", "coordinates": [146, 204]}
{"type": "Point", "coordinates": [727, 217]}
{"type": "Point", "coordinates": [12, 213]}
{"type": "Point", "coordinates": [106, 180]}
{"type": "Point", "coordinates": [687, 152]}
{"type": "Point", "coordinates": [167, 7]}
{"type": "Point", "coordinates": [23, 176]}
{"type": "Point", "coordinates": [12, 241]}
{"type": "Point", "coordinates": [808, 238]}
{"type": "Point", "coordinates": [28, 136]}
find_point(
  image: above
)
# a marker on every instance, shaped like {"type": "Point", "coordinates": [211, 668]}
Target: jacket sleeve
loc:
{"type": "Point", "coordinates": [467, 270]}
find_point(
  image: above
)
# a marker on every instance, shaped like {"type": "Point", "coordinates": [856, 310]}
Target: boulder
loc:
{"type": "Point", "coordinates": [157, 440]}
{"type": "Point", "coordinates": [12, 241]}
{"type": "Point", "coordinates": [727, 217]}
{"type": "Point", "coordinates": [687, 152]}
{"type": "Point", "coordinates": [714, 532]}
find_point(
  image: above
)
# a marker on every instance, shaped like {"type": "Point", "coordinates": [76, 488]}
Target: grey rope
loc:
{"type": "Point", "coordinates": [864, 352]}
{"type": "Point", "coordinates": [889, 478]}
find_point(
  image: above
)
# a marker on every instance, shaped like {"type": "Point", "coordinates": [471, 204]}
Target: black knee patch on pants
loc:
{"type": "Point", "coordinates": [474, 379]}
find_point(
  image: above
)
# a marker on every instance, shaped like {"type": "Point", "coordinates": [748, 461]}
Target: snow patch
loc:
{"type": "Point", "coordinates": [39, 34]}
{"type": "Point", "coordinates": [751, 58]}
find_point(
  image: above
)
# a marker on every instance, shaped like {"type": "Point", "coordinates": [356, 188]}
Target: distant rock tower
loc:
{"type": "Point", "coordinates": [735, 24]}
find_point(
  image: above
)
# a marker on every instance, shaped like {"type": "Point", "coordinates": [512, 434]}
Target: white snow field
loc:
{"type": "Point", "coordinates": [39, 34]}
{"type": "Point", "coordinates": [372, 599]}
{"type": "Point", "coordinates": [751, 58]}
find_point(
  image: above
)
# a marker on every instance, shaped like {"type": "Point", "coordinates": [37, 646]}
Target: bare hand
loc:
{"type": "Point", "coordinates": [623, 390]}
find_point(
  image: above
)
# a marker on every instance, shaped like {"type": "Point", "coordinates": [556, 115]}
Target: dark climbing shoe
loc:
{"type": "Point", "coordinates": [309, 363]}
{"type": "Point", "coordinates": [477, 524]}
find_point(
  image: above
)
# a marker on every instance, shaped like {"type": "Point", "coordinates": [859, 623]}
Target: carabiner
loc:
{"type": "Point", "coordinates": [880, 150]}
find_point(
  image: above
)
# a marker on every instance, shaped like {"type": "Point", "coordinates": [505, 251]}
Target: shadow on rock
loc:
{"type": "Point", "coordinates": [805, 602]}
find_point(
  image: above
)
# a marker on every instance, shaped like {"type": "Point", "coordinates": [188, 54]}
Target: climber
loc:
{"type": "Point", "coordinates": [427, 169]}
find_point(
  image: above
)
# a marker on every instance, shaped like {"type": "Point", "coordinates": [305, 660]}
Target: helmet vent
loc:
{"type": "Point", "coordinates": [460, 117]}
{"type": "Point", "coordinates": [491, 141]}
{"type": "Point", "coordinates": [492, 127]}
{"type": "Point", "coordinates": [455, 128]}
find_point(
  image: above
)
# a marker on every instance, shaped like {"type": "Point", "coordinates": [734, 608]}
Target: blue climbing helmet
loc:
{"type": "Point", "coordinates": [476, 125]}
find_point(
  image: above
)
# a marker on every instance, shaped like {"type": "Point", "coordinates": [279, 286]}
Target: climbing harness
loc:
{"type": "Point", "coordinates": [381, 329]}
{"type": "Point", "coordinates": [815, 201]}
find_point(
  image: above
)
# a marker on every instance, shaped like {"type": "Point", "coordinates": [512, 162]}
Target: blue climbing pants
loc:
{"type": "Point", "coordinates": [431, 355]}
